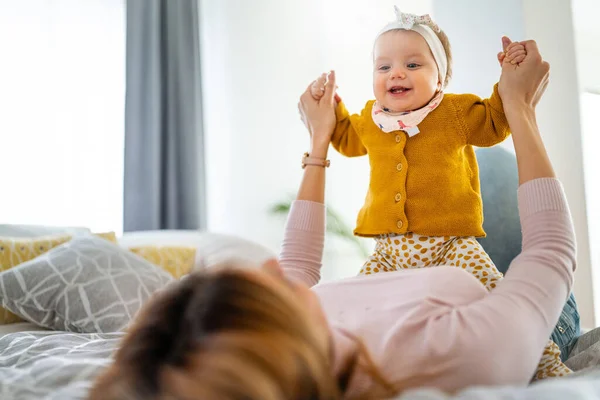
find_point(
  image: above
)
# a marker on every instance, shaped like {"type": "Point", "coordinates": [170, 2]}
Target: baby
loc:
{"type": "Point", "coordinates": [423, 206]}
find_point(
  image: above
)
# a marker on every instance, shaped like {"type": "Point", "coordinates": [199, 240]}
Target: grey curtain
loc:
{"type": "Point", "coordinates": [164, 168]}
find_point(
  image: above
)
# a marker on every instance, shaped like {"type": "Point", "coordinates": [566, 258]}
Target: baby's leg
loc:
{"type": "Point", "coordinates": [468, 254]}
{"type": "Point", "coordinates": [397, 252]}
{"type": "Point", "coordinates": [381, 260]}
{"type": "Point", "coordinates": [550, 365]}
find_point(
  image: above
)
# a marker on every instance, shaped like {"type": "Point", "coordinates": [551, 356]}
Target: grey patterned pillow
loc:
{"type": "Point", "coordinates": [86, 285]}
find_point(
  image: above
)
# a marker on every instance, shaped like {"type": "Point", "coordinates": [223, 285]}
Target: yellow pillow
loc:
{"type": "Point", "coordinates": [110, 236]}
{"type": "Point", "coordinates": [176, 260]}
{"type": "Point", "coordinates": [15, 251]}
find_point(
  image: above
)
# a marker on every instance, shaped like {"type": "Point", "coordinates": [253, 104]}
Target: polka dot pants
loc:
{"type": "Point", "coordinates": [397, 252]}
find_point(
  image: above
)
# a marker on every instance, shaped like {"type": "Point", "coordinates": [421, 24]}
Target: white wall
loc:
{"type": "Point", "coordinates": [590, 105]}
{"type": "Point", "coordinates": [475, 29]}
{"type": "Point", "coordinates": [587, 37]}
{"type": "Point", "coordinates": [258, 58]}
{"type": "Point", "coordinates": [476, 70]}
{"type": "Point", "coordinates": [550, 24]}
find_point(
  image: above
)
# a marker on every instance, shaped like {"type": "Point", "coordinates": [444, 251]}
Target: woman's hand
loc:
{"type": "Point", "coordinates": [522, 86]}
{"type": "Point", "coordinates": [319, 116]}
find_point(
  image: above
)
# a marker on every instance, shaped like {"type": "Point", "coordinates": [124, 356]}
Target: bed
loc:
{"type": "Point", "coordinates": [62, 366]}
{"type": "Point", "coordinates": [59, 355]}
{"type": "Point", "coordinates": [61, 360]}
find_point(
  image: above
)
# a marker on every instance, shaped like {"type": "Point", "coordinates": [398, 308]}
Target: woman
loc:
{"type": "Point", "coordinates": [265, 335]}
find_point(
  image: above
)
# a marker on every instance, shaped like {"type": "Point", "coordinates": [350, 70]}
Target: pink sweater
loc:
{"type": "Point", "coordinates": [439, 327]}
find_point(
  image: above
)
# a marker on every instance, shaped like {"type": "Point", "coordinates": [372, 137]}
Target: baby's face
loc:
{"type": "Point", "coordinates": [405, 75]}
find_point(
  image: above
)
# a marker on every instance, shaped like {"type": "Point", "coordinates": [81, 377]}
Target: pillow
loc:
{"type": "Point", "coordinates": [163, 237]}
{"type": "Point", "coordinates": [212, 249]}
{"type": "Point", "coordinates": [29, 231]}
{"type": "Point", "coordinates": [176, 260]}
{"type": "Point", "coordinates": [110, 236]}
{"type": "Point", "coordinates": [218, 250]}
{"type": "Point", "coordinates": [86, 285]}
{"type": "Point", "coordinates": [15, 251]}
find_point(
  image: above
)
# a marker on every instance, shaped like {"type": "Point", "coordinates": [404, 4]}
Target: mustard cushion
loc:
{"type": "Point", "coordinates": [110, 236]}
{"type": "Point", "coordinates": [176, 260]}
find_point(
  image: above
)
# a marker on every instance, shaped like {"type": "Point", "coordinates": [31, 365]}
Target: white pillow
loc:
{"type": "Point", "coordinates": [212, 249]}
{"type": "Point", "coordinates": [166, 237]}
{"type": "Point", "coordinates": [8, 230]}
{"type": "Point", "coordinates": [217, 249]}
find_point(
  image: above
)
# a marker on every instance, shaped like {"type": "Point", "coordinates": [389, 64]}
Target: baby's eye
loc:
{"type": "Point", "coordinates": [412, 65]}
{"type": "Point", "coordinates": [384, 67]}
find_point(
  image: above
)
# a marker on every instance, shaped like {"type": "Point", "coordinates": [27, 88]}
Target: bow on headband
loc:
{"type": "Point", "coordinates": [407, 21]}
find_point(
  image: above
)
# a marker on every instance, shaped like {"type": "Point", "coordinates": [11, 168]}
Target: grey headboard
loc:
{"type": "Point", "coordinates": [499, 183]}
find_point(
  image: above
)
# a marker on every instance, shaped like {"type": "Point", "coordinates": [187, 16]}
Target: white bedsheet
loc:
{"type": "Point", "coordinates": [62, 366]}
{"type": "Point", "coordinates": [19, 327]}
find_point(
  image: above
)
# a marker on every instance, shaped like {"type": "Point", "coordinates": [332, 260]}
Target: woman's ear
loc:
{"type": "Point", "coordinates": [272, 267]}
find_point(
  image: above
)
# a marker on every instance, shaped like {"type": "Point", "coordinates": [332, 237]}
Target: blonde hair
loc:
{"type": "Point", "coordinates": [225, 335]}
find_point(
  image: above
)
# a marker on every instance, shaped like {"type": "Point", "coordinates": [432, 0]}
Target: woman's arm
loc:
{"type": "Point", "coordinates": [312, 186]}
{"type": "Point", "coordinates": [532, 159]}
{"type": "Point", "coordinates": [501, 337]}
{"type": "Point", "coordinates": [304, 237]}
{"type": "Point", "coordinates": [319, 118]}
{"type": "Point", "coordinates": [503, 334]}
{"type": "Point", "coordinates": [521, 89]}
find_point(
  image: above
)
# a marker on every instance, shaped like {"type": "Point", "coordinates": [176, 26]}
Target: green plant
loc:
{"type": "Point", "coordinates": [335, 224]}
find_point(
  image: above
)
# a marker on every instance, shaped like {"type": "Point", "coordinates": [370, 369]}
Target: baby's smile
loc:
{"type": "Point", "coordinates": [399, 90]}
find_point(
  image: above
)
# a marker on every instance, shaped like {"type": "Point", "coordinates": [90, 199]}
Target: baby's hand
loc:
{"type": "Point", "coordinates": [514, 52]}
{"type": "Point", "coordinates": [317, 89]}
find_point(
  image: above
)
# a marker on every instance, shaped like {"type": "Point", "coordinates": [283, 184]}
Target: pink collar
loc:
{"type": "Point", "coordinates": [404, 121]}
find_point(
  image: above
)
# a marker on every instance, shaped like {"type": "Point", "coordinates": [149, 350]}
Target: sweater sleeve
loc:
{"type": "Point", "coordinates": [303, 241]}
{"type": "Point", "coordinates": [483, 119]}
{"type": "Point", "coordinates": [500, 337]}
{"type": "Point", "coordinates": [346, 136]}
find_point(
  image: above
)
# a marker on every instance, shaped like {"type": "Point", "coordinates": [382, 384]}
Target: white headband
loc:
{"type": "Point", "coordinates": [424, 26]}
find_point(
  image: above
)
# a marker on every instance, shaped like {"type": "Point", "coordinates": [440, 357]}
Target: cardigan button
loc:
{"type": "Point", "coordinates": [398, 197]}
{"type": "Point", "coordinates": [399, 224]}
{"type": "Point", "coordinates": [398, 138]}
{"type": "Point", "coordinates": [399, 167]}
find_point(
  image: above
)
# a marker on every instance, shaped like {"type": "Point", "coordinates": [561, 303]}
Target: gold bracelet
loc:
{"type": "Point", "coordinates": [320, 162]}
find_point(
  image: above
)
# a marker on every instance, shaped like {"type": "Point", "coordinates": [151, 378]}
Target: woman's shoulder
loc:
{"type": "Point", "coordinates": [453, 284]}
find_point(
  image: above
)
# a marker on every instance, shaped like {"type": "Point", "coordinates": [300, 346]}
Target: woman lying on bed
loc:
{"type": "Point", "coordinates": [274, 334]}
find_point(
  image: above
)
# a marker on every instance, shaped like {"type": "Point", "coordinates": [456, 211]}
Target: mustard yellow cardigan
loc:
{"type": "Point", "coordinates": [429, 183]}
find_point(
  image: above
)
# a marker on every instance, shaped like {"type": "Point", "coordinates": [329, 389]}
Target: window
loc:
{"type": "Point", "coordinates": [590, 120]}
{"type": "Point", "coordinates": [62, 80]}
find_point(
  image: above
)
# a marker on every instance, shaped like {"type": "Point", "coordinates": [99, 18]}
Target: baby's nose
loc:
{"type": "Point", "coordinates": [398, 73]}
